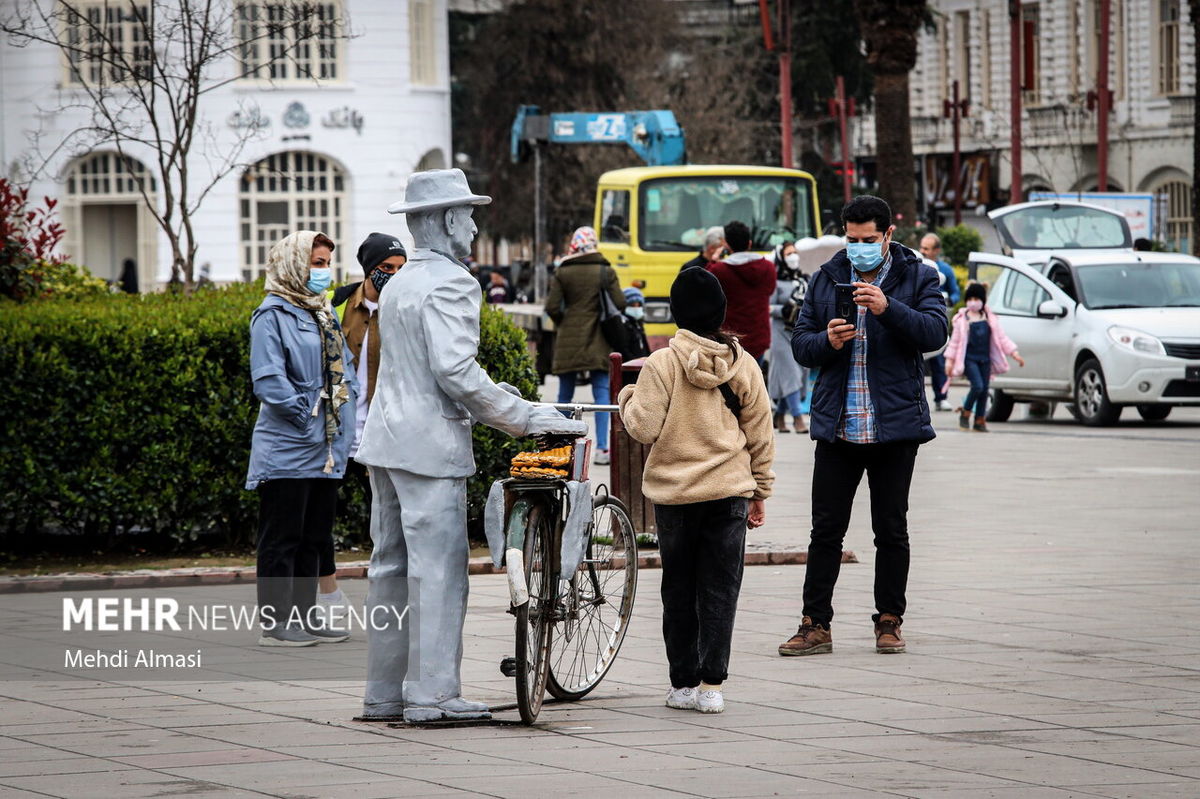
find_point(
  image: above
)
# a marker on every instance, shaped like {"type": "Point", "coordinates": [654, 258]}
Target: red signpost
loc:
{"type": "Point", "coordinates": [955, 109]}
{"type": "Point", "coordinates": [1014, 18]}
{"type": "Point", "coordinates": [785, 72]}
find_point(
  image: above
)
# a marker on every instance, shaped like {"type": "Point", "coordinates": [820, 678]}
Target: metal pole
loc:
{"type": "Point", "coordinates": [841, 109]}
{"type": "Point", "coordinates": [539, 268]}
{"type": "Point", "coordinates": [956, 110]}
{"type": "Point", "coordinates": [785, 84]}
{"type": "Point", "coordinates": [1102, 92]}
{"type": "Point", "coordinates": [1014, 61]}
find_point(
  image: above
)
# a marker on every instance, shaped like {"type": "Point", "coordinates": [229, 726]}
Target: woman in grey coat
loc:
{"type": "Point", "coordinates": [307, 394]}
{"type": "Point", "coordinates": [787, 381]}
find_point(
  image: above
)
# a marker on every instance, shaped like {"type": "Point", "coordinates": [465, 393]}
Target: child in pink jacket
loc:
{"type": "Point", "coordinates": [978, 348]}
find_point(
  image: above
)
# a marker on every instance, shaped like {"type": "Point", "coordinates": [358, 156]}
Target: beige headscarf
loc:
{"type": "Point", "coordinates": [288, 267]}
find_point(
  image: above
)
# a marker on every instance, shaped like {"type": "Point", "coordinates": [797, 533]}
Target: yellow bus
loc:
{"type": "Point", "coordinates": [650, 220]}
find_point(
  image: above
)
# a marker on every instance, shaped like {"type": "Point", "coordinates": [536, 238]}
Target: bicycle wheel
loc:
{"type": "Point", "coordinates": [534, 616]}
{"type": "Point", "coordinates": [596, 604]}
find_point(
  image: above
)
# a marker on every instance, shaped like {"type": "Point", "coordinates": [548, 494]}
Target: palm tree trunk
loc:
{"type": "Point", "coordinates": [893, 146]}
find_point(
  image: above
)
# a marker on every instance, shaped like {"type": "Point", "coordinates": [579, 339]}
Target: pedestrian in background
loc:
{"type": "Point", "coordinates": [636, 345]}
{"type": "Point", "coordinates": [931, 248]}
{"type": "Point", "coordinates": [714, 247]}
{"type": "Point", "coordinates": [787, 381]}
{"type": "Point", "coordinates": [869, 412]}
{"type": "Point", "coordinates": [748, 281]}
{"type": "Point", "coordinates": [573, 303]}
{"type": "Point", "coordinates": [497, 291]}
{"type": "Point", "coordinates": [702, 406]}
{"type": "Point", "coordinates": [978, 349]}
{"type": "Point", "coordinates": [301, 441]}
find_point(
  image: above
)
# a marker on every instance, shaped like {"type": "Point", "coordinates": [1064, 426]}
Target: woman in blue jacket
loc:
{"type": "Point", "coordinates": [298, 362]}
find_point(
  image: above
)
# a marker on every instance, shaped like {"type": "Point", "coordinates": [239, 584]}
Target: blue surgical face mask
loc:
{"type": "Point", "coordinates": [864, 255]}
{"type": "Point", "coordinates": [635, 313]}
{"type": "Point", "coordinates": [319, 278]}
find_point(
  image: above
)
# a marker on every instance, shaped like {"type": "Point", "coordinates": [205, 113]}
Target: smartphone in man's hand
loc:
{"type": "Point", "coordinates": [846, 308]}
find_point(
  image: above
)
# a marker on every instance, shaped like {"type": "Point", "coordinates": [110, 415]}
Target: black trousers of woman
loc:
{"type": "Point", "coordinates": [295, 520]}
{"type": "Point", "coordinates": [702, 546]}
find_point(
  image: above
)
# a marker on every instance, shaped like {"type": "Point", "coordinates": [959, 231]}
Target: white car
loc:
{"type": "Point", "coordinates": [1030, 231]}
{"type": "Point", "coordinates": [1101, 331]}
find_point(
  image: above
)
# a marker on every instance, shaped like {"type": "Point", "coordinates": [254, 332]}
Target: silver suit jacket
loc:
{"type": "Point", "coordinates": [429, 386]}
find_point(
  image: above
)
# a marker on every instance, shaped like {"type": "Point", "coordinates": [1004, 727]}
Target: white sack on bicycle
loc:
{"type": "Point", "coordinates": [493, 522]}
{"type": "Point", "coordinates": [575, 531]}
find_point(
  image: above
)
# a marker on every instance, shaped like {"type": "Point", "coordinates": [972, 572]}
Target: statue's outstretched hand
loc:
{"type": "Point", "coordinates": [510, 388]}
{"type": "Point", "coordinates": [549, 422]}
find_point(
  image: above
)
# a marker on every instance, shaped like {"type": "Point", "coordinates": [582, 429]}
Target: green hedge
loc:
{"type": "Point", "coordinates": [133, 414]}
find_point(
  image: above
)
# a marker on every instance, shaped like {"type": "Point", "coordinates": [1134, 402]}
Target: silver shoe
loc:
{"type": "Point", "coordinates": [456, 709]}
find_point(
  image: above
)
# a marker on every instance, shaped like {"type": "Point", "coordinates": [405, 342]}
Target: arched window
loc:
{"type": "Point", "coordinates": [434, 159]}
{"type": "Point", "coordinates": [287, 192]}
{"type": "Point", "coordinates": [1175, 196]}
{"type": "Point", "coordinates": [109, 227]}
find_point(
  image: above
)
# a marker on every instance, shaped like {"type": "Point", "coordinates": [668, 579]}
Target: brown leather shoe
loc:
{"type": "Point", "coordinates": [887, 635]}
{"type": "Point", "coordinates": [964, 419]}
{"type": "Point", "coordinates": [799, 425]}
{"type": "Point", "coordinates": [810, 639]}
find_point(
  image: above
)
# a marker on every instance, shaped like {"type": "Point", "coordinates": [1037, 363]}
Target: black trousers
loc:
{"type": "Point", "coordinates": [837, 471]}
{"type": "Point", "coordinates": [295, 521]}
{"type": "Point", "coordinates": [356, 474]}
{"type": "Point", "coordinates": [702, 546]}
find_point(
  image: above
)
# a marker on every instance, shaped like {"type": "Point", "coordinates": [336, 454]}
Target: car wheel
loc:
{"type": "Point", "coordinates": [1000, 407]}
{"type": "Point", "coordinates": [1155, 412]}
{"type": "Point", "coordinates": [1091, 397]}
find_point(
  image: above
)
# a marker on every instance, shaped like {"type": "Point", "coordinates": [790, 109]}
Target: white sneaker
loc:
{"type": "Point", "coordinates": [710, 702]}
{"type": "Point", "coordinates": [943, 405]}
{"type": "Point", "coordinates": [601, 458]}
{"type": "Point", "coordinates": [682, 698]}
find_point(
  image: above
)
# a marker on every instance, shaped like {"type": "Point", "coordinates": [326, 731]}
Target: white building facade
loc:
{"type": "Point", "coordinates": [1152, 75]}
{"type": "Point", "coordinates": [334, 132]}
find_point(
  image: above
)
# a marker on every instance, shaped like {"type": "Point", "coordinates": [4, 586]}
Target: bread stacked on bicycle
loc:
{"type": "Point", "coordinates": [544, 465]}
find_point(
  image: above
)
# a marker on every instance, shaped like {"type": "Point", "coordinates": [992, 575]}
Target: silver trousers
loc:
{"type": "Point", "coordinates": [418, 571]}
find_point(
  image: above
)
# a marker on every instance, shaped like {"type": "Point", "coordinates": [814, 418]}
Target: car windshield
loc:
{"type": "Point", "coordinates": [673, 213]}
{"type": "Point", "coordinates": [1063, 227]}
{"type": "Point", "coordinates": [1139, 285]}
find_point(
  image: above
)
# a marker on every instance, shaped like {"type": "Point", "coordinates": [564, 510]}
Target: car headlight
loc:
{"type": "Point", "coordinates": [1136, 340]}
{"type": "Point", "coordinates": [658, 313]}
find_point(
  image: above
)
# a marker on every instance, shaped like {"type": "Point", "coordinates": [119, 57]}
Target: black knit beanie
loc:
{"type": "Point", "coordinates": [975, 291]}
{"type": "Point", "coordinates": [376, 249]}
{"type": "Point", "coordinates": [697, 301]}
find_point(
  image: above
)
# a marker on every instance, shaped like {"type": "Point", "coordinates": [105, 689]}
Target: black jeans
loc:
{"type": "Point", "coordinates": [356, 474]}
{"type": "Point", "coordinates": [837, 471]}
{"type": "Point", "coordinates": [295, 521]}
{"type": "Point", "coordinates": [702, 547]}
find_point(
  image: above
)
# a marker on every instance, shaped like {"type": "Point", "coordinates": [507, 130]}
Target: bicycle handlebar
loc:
{"type": "Point", "coordinates": [578, 407]}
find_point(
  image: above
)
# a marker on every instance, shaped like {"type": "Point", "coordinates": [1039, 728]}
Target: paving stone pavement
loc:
{"type": "Point", "coordinates": [1052, 653]}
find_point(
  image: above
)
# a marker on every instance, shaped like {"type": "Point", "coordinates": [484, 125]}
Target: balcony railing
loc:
{"type": "Point", "coordinates": [1183, 110]}
{"type": "Point", "coordinates": [1054, 121]}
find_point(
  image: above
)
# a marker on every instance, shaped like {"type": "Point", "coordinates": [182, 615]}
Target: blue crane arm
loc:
{"type": "Point", "coordinates": [654, 135]}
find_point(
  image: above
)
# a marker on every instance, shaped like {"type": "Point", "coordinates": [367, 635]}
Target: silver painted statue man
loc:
{"type": "Point", "coordinates": [417, 442]}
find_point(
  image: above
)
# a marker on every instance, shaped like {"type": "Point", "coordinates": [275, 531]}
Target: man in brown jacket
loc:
{"type": "Point", "coordinates": [380, 256]}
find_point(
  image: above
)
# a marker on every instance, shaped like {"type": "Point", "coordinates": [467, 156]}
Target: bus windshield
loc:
{"type": "Point", "coordinates": [674, 213]}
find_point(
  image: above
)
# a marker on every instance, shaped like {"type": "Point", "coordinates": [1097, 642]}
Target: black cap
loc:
{"type": "Point", "coordinates": [698, 301]}
{"type": "Point", "coordinates": [376, 249]}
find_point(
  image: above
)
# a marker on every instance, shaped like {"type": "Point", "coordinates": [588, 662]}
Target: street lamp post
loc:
{"type": "Point", "coordinates": [954, 109]}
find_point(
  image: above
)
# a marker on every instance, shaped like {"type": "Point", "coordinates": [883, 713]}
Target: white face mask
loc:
{"type": "Point", "coordinates": [793, 260]}
{"type": "Point", "coordinates": [635, 313]}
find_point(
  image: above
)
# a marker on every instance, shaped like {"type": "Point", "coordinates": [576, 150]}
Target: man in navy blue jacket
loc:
{"type": "Point", "coordinates": [869, 411]}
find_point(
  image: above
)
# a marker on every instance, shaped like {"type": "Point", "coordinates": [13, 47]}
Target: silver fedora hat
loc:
{"type": "Point", "coordinates": [434, 189]}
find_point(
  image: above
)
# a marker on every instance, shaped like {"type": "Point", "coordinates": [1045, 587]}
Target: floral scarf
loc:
{"type": "Point", "coordinates": [287, 276]}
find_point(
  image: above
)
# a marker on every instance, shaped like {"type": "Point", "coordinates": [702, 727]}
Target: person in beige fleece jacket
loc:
{"type": "Point", "coordinates": [708, 474]}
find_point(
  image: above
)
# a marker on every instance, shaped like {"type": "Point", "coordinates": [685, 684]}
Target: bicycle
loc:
{"type": "Point", "coordinates": [568, 628]}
